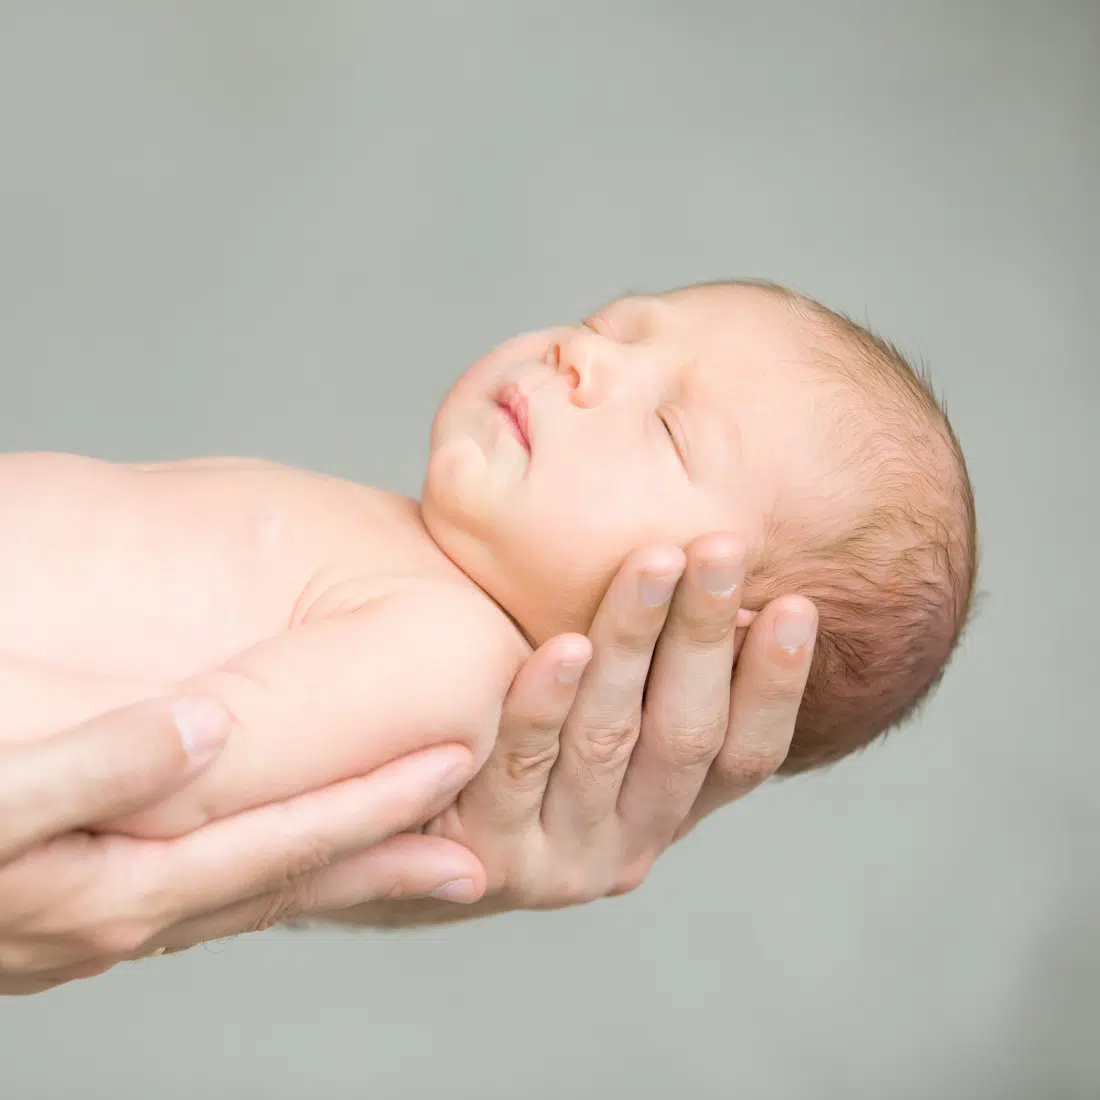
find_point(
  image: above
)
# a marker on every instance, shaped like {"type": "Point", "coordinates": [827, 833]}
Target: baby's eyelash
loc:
{"type": "Point", "coordinates": [672, 438]}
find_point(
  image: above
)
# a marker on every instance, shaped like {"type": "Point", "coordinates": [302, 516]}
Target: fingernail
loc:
{"type": "Point", "coordinates": [569, 672]}
{"type": "Point", "coordinates": [658, 590]}
{"type": "Point", "coordinates": [460, 890]}
{"type": "Point", "coordinates": [720, 578]}
{"type": "Point", "coordinates": [453, 781]}
{"type": "Point", "coordinates": [793, 630]}
{"type": "Point", "coordinates": [203, 725]}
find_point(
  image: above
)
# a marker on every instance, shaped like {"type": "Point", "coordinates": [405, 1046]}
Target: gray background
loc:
{"type": "Point", "coordinates": [281, 230]}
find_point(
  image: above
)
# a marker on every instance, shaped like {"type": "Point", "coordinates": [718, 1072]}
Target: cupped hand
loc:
{"type": "Point", "coordinates": [614, 745]}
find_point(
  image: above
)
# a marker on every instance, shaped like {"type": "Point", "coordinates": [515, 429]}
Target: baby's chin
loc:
{"type": "Point", "coordinates": [456, 470]}
{"type": "Point", "coordinates": [450, 512]}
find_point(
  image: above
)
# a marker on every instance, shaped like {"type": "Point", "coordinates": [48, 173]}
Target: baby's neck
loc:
{"type": "Point", "coordinates": [438, 563]}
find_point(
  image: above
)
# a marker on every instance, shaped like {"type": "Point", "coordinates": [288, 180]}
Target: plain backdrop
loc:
{"type": "Point", "coordinates": [282, 230]}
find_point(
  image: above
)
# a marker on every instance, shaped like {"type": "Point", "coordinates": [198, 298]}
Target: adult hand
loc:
{"type": "Point", "coordinates": [73, 904]}
{"type": "Point", "coordinates": [598, 769]}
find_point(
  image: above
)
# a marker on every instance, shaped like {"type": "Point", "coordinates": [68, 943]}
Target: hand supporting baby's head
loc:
{"type": "Point", "coordinates": [735, 407]}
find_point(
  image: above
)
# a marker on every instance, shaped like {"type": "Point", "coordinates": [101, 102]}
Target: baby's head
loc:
{"type": "Point", "coordinates": [736, 407]}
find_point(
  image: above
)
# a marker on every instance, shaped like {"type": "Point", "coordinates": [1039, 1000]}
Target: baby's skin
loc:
{"type": "Point", "coordinates": [343, 626]}
{"type": "Point", "coordinates": [317, 610]}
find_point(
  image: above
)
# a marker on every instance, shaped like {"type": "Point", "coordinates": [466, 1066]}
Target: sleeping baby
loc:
{"type": "Point", "coordinates": [343, 626]}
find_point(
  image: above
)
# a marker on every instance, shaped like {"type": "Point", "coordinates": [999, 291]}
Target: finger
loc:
{"type": "Point", "coordinates": [405, 866]}
{"type": "Point", "coordinates": [114, 764]}
{"type": "Point", "coordinates": [687, 705]}
{"type": "Point", "coordinates": [767, 692]}
{"type": "Point", "coordinates": [264, 850]}
{"type": "Point", "coordinates": [508, 791]}
{"type": "Point", "coordinates": [599, 735]}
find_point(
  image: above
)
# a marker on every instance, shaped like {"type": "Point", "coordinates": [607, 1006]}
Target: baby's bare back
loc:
{"type": "Point", "coordinates": [158, 572]}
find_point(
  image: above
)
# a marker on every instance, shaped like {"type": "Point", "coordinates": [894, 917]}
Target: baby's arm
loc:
{"type": "Point", "coordinates": [339, 697]}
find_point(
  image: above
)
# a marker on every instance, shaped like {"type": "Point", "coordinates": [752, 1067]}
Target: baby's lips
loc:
{"type": "Point", "coordinates": [514, 400]}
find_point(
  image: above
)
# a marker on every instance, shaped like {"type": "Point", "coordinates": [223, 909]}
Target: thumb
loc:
{"type": "Point", "coordinates": [114, 764]}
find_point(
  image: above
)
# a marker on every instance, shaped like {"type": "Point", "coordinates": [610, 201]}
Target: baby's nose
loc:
{"type": "Point", "coordinates": [583, 364]}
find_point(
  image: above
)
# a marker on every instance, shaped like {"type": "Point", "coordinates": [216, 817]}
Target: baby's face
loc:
{"type": "Point", "coordinates": [657, 419]}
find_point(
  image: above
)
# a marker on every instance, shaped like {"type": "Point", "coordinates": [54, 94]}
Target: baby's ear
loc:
{"type": "Point", "coordinates": [745, 619]}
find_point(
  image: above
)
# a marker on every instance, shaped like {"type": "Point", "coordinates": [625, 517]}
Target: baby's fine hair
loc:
{"type": "Point", "coordinates": [893, 591]}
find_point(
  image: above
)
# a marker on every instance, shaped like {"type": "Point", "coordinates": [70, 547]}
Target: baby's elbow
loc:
{"type": "Point", "coordinates": [471, 722]}
{"type": "Point", "coordinates": [484, 732]}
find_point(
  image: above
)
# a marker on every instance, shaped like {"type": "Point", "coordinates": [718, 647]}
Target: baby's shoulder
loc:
{"type": "Point", "coordinates": [435, 620]}
{"type": "Point", "coordinates": [436, 610]}
{"type": "Point", "coordinates": [342, 547]}
{"type": "Point", "coordinates": [299, 522]}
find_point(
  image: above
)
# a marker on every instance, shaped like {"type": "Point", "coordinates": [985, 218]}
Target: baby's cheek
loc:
{"type": "Point", "coordinates": [501, 364]}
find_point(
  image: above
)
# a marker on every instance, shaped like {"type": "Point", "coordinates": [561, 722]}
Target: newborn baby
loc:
{"type": "Point", "coordinates": [343, 626]}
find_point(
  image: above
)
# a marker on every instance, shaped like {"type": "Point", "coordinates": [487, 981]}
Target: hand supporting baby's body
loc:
{"type": "Point", "coordinates": [318, 611]}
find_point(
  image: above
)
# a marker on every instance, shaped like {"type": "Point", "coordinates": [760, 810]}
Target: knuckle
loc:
{"type": "Point", "coordinates": [306, 859]}
{"type": "Point", "coordinates": [117, 939]}
{"type": "Point", "coordinates": [284, 905]}
{"type": "Point", "coordinates": [305, 852]}
{"type": "Point", "coordinates": [544, 724]}
{"type": "Point", "coordinates": [298, 900]}
{"type": "Point", "coordinates": [567, 888]}
{"type": "Point", "coordinates": [607, 752]}
{"type": "Point", "coordinates": [612, 742]}
{"type": "Point", "coordinates": [526, 766]}
{"type": "Point", "coordinates": [267, 916]}
{"type": "Point", "coordinates": [749, 768]}
{"type": "Point", "coordinates": [697, 743]}
{"type": "Point", "coordinates": [630, 878]}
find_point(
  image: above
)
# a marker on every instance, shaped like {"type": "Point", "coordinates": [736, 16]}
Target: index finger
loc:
{"type": "Point", "coordinates": [111, 765]}
{"type": "Point", "coordinates": [600, 733]}
{"type": "Point", "coordinates": [507, 793]}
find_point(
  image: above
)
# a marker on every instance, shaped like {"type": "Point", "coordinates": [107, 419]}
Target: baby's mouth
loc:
{"type": "Point", "coordinates": [513, 404]}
